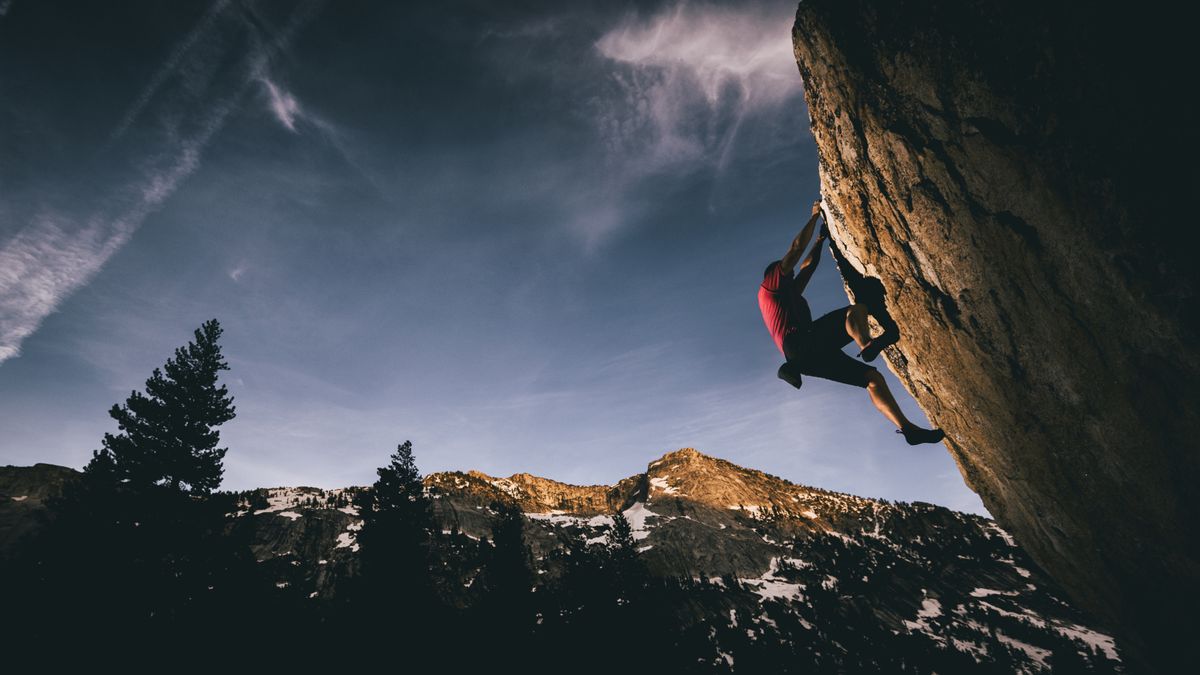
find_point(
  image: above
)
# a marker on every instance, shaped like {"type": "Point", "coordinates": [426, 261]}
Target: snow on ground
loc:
{"type": "Point", "coordinates": [600, 521]}
{"type": "Point", "coordinates": [797, 563]}
{"type": "Point", "coordinates": [1090, 637]}
{"type": "Point", "coordinates": [985, 592]}
{"type": "Point", "coordinates": [637, 515]}
{"type": "Point", "coordinates": [279, 499]}
{"type": "Point", "coordinates": [1003, 535]}
{"type": "Point", "coordinates": [507, 487]}
{"type": "Point", "coordinates": [770, 586]}
{"type": "Point", "coordinates": [557, 517]}
{"type": "Point", "coordinates": [347, 539]}
{"type": "Point", "coordinates": [662, 484]}
{"type": "Point", "coordinates": [1027, 616]}
{"type": "Point", "coordinates": [290, 515]}
{"type": "Point", "coordinates": [1036, 653]}
{"type": "Point", "coordinates": [976, 650]}
{"type": "Point", "coordinates": [930, 608]}
{"type": "Point", "coordinates": [21, 498]}
{"type": "Point", "coordinates": [1086, 635]}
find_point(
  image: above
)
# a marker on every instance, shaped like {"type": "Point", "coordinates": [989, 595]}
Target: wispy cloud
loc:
{"type": "Point", "coordinates": [237, 272]}
{"type": "Point", "coordinates": [692, 73]}
{"type": "Point", "coordinates": [56, 255]}
{"type": "Point", "coordinates": [283, 104]}
{"type": "Point", "coordinates": [680, 90]}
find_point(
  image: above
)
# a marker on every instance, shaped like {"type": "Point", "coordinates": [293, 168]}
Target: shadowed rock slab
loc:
{"type": "Point", "coordinates": [1010, 174]}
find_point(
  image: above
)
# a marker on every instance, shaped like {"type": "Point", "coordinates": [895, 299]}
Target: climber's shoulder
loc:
{"type": "Point", "coordinates": [774, 276]}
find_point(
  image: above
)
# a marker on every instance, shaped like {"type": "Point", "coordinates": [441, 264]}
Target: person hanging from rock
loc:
{"type": "Point", "coordinates": [815, 347]}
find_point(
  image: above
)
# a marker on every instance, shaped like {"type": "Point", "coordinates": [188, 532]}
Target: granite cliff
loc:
{"type": "Point", "coordinates": [1005, 177]}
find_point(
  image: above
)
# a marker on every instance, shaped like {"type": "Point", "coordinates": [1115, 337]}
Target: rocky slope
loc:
{"type": "Point", "coordinates": [1005, 177]}
{"type": "Point", "coordinates": [23, 492]}
{"type": "Point", "coordinates": [782, 571]}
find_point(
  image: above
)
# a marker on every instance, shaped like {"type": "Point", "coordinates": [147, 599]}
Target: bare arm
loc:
{"type": "Point", "coordinates": [810, 263]}
{"type": "Point", "coordinates": [800, 242]}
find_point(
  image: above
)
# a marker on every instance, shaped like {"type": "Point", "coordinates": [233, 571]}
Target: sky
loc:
{"type": "Point", "coordinates": [527, 238]}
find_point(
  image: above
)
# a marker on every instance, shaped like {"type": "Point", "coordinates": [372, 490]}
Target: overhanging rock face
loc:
{"type": "Point", "coordinates": [1008, 173]}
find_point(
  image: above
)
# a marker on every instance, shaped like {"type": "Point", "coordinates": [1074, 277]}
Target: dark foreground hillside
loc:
{"type": "Point", "coordinates": [712, 568]}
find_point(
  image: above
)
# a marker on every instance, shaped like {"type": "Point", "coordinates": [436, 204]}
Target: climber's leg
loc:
{"type": "Point", "coordinates": [859, 329]}
{"type": "Point", "coordinates": [882, 397]}
{"type": "Point", "coordinates": [857, 326]}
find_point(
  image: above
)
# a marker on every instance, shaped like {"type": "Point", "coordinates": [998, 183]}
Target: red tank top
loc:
{"type": "Point", "coordinates": [783, 309]}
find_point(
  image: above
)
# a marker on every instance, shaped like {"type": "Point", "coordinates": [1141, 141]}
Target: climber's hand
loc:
{"type": "Point", "coordinates": [816, 210]}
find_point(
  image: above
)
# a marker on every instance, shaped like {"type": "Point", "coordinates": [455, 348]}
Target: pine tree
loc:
{"type": "Point", "coordinates": [168, 435]}
{"type": "Point", "coordinates": [508, 576]}
{"type": "Point", "coordinates": [505, 613]}
{"type": "Point", "coordinates": [627, 570]}
{"type": "Point", "coordinates": [137, 545]}
{"type": "Point", "coordinates": [397, 524]}
{"type": "Point", "coordinates": [620, 537]}
{"type": "Point", "coordinates": [393, 597]}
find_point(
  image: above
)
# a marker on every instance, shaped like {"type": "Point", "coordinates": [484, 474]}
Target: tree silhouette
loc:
{"type": "Point", "coordinates": [393, 599]}
{"type": "Point", "coordinates": [397, 525]}
{"type": "Point", "coordinates": [168, 435]}
{"type": "Point", "coordinates": [137, 545]}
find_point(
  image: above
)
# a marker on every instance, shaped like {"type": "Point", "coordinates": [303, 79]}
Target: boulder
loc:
{"type": "Point", "coordinates": [1007, 178]}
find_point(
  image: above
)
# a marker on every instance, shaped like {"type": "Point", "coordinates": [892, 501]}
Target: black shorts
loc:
{"type": "Point", "coordinates": [818, 351]}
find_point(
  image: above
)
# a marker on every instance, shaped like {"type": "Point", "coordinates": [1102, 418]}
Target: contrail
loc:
{"type": "Point", "coordinates": [168, 68]}
{"type": "Point", "coordinates": [48, 260]}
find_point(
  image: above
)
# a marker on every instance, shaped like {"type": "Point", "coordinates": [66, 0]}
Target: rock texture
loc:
{"type": "Point", "coordinates": [1008, 174]}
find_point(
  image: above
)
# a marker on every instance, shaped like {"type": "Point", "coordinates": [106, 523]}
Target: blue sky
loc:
{"type": "Point", "coordinates": [526, 239]}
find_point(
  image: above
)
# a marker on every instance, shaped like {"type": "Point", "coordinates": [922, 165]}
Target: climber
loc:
{"type": "Point", "coordinates": [815, 347]}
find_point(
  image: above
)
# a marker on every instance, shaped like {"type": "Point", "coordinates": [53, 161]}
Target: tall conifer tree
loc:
{"type": "Point", "coordinates": [397, 524]}
{"type": "Point", "coordinates": [168, 435]}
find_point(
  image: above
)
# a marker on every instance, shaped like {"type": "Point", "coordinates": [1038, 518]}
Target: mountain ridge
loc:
{"type": "Point", "coordinates": [770, 564]}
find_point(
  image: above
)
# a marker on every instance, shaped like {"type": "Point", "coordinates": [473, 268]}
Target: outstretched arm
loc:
{"type": "Point", "coordinates": [814, 258]}
{"type": "Point", "coordinates": [800, 242]}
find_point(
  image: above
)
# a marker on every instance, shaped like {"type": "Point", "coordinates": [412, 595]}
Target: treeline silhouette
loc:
{"type": "Point", "coordinates": [141, 562]}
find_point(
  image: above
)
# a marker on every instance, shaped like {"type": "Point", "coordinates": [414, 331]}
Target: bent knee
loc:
{"type": "Point", "coordinates": [874, 379]}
